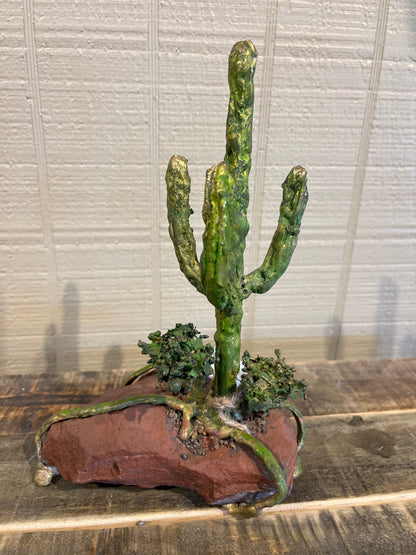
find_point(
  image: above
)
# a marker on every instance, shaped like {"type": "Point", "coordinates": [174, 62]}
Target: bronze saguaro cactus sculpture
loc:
{"type": "Point", "coordinates": [181, 361]}
{"type": "Point", "coordinates": [219, 274]}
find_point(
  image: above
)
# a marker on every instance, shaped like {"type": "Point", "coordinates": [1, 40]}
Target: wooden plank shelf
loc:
{"type": "Point", "coordinates": [357, 493]}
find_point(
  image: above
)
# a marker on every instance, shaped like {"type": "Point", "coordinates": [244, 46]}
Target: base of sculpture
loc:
{"type": "Point", "coordinates": [140, 446]}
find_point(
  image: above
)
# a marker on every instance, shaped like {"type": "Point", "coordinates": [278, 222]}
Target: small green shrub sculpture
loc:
{"type": "Point", "coordinates": [179, 356]}
{"type": "Point", "coordinates": [267, 382]}
{"type": "Point", "coordinates": [181, 359]}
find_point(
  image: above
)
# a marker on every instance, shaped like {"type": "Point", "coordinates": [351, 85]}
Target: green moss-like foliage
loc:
{"type": "Point", "coordinates": [267, 382]}
{"type": "Point", "coordinates": [180, 356]}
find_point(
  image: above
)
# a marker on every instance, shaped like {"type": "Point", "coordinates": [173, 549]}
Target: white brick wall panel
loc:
{"type": "Point", "coordinates": [83, 233]}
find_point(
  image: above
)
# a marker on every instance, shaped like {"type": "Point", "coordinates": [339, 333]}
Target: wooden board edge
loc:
{"type": "Point", "coordinates": [168, 517]}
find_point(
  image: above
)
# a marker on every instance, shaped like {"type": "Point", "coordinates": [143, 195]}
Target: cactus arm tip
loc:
{"type": "Point", "coordinates": [295, 196]}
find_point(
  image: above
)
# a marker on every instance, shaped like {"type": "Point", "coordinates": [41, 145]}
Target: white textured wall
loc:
{"type": "Point", "coordinates": [95, 98]}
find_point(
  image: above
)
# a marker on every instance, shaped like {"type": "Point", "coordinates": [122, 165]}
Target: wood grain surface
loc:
{"type": "Point", "coordinates": [380, 528]}
{"type": "Point", "coordinates": [357, 493]}
{"type": "Point", "coordinates": [334, 388]}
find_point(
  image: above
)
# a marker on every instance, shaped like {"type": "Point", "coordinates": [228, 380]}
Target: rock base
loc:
{"type": "Point", "coordinates": [139, 446]}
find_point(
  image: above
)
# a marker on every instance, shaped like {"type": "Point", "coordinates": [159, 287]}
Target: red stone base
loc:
{"type": "Point", "coordinates": [139, 446]}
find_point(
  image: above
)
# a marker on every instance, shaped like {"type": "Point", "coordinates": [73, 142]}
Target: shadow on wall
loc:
{"type": "Point", "coordinates": [69, 340]}
{"type": "Point", "coordinates": [49, 349]}
{"type": "Point", "coordinates": [385, 323]}
{"type": "Point", "coordinates": [113, 358]}
{"type": "Point", "coordinates": [385, 327]}
{"type": "Point", "coordinates": [333, 333]}
{"type": "Point", "coordinates": [408, 346]}
{"type": "Point", "coordinates": [3, 344]}
{"type": "Point", "coordinates": [61, 347]}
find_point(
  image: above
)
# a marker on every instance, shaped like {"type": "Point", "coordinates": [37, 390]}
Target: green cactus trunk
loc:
{"type": "Point", "coordinates": [227, 350]}
{"type": "Point", "coordinates": [220, 272]}
{"type": "Point", "coordinates": [225, 216]}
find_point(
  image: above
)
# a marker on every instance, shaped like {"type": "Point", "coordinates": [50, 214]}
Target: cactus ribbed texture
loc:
{"type": "Point", "coordinates": [220, 272]}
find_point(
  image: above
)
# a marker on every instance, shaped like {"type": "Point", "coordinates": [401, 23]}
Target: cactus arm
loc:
{"type": "Point", "coordinates": [295, 197]}
{"type": "Point", "coordinates": [178, 189]}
